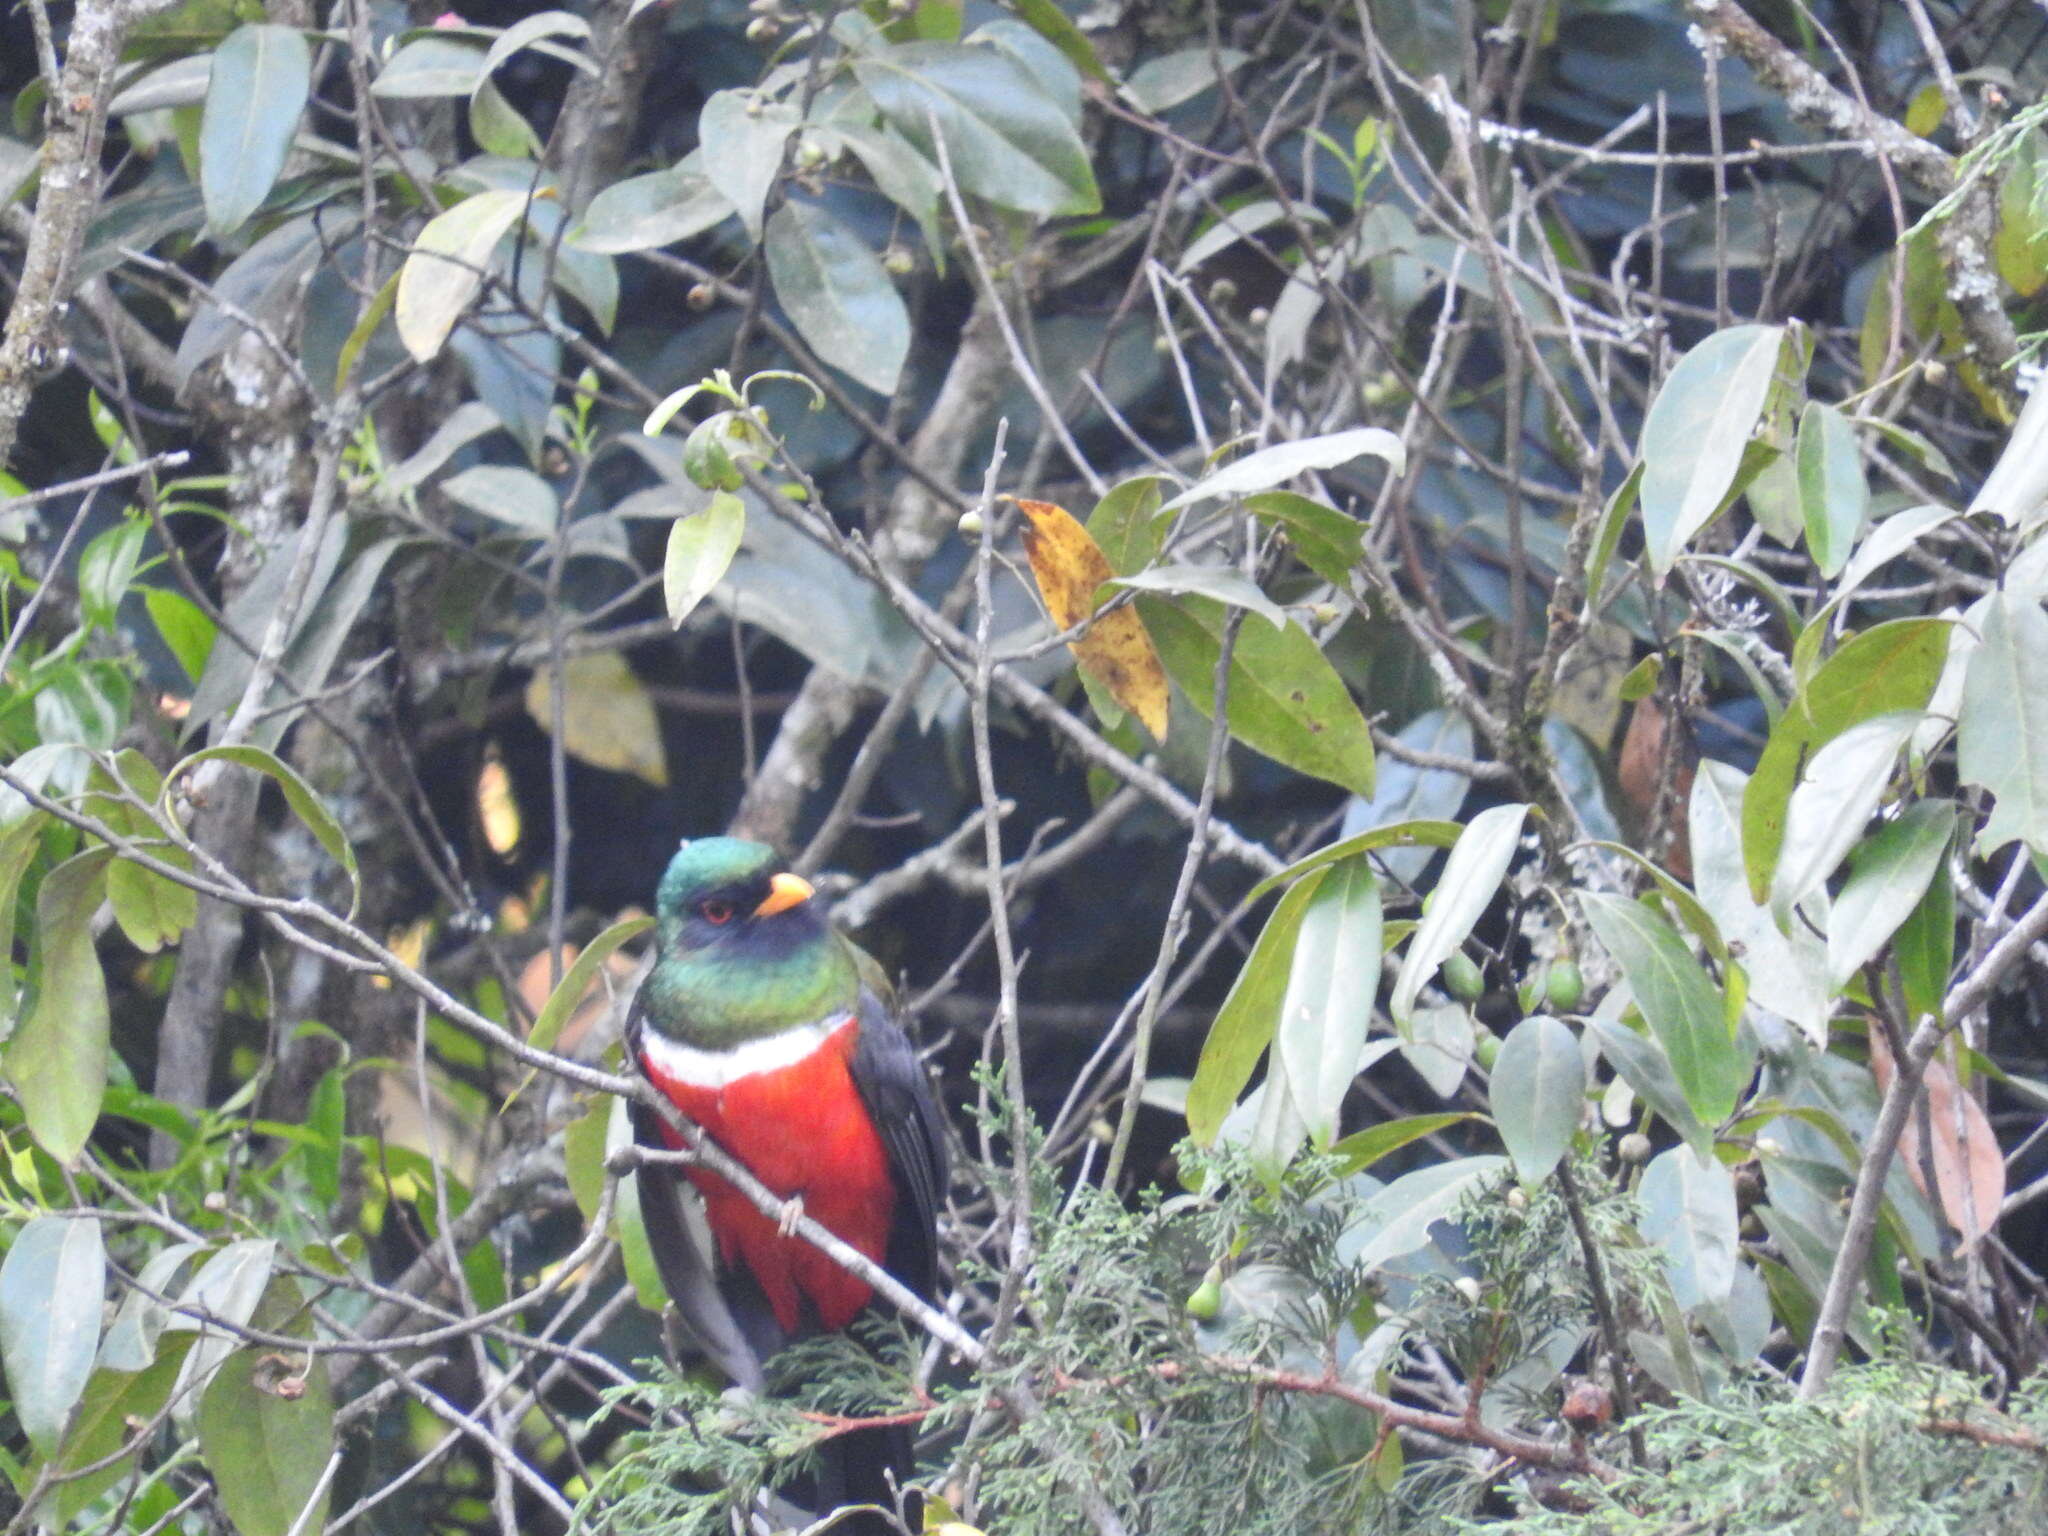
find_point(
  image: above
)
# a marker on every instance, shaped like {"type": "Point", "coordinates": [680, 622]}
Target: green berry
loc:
{"type": "Point", "coordinates": [1565, 987]}
{"type": "Point", "coordinates": [1462, 979]}
{"type": "Point", "coordinates": [1486, 1049]}
{"type": "Point", "coordinates": [1205, 1300]}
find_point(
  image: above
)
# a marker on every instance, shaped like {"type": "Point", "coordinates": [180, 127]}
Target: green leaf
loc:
{"type": "Point", "coordinates": [1696, 431]}
{"type": "Point", "coordinates": [657, 209]}
{"type": "Point", "coordinates": [1537, 1092]}
{"type": "Point", "coordinates": [1225, 585]}
{"type": "Point", "coordinates": [254, 100]}
{"type": "Point", "coordinates": [1472, 875]}
{"type": "Point", "coordinates": [57, 1059]}
{"type": "Point", "coordinates": [227, 1291]}
{"type": "Point", "coordinates": [529, 30]}
{"type": "Point", "coordinates": [1834, 498]}
{"type": "Point", "coordinates": [429, 66]}
{"type": "Point", "coordinates": [700, 551]}
{"type": "Point", "coordinates": [1285, 699]}
{"type": "Point", "coordinates": [1361, 1149]}
{"type": "Point", "coordinates": [498, 127]}
{"type": "Point", "coordinates": [1007, 140]}
{"type": "Point", "coordinates": [742, 135]}
{"type": "Point", "coordinates": [1244, 1025]}
{"type": "Point", "coordinates": [1789, 966]}
{"type": "Point", "coordinates": [1925, 948]}
{"type": "Point", "coordinates": [20, 841]}
{"type": "Point", "coordinates": [187, 631]}
{"type": "Point", "coordinates": [1395, 1222]}
{"type": "Point", "coordinates": [1395, 834]}
{"type": "Point", "coordinates": [838, 295]}
{"type": "Point", "coordinates": [1839, 791]}
{"type": "Point", "coordinates": [1274, 466]}
{"type": "Point", "coordinates": [1689, 1217]}
{"type": "Point", "coordinates": [2002, 728]}
{"type": "Point", "coordinates": [576, 981]}
{"type": "Point", "coordinates": [1328, 542]}
{"type": "Point", "coordinates": [1889, 668]}
{"type": "Point", "coordinates": [446, 267]}
{"type": "Point", "coordinates": [1613, 520]}
{"type": "Point", "coordinates": [52, 1287]}
{"type": "Point", "coordinates": [507, 494]}
{"type": "Point", "coordinates": [1641, 1063]}
{"type": "Point", "coordinates": [266, 1436]}
{"type": "Point", "coordinates": [902, 175]}
{"type": "Point", "coordinates": [298, 794]}
{"type": "Point", "coordinates": [1124, 527]}
{"type": "Point", "coordinates": [106, 568]}
{"type": "Point", "coordinates": [1056, 27]}
{"type": "Point", "coordinates": [1332, 985]}
{"type": "Point", "coordinates": [1888, 876]}
{"type": "Point", "coordinates": [1681, 1004]}
{"type": "Point", "coordinates": [1160, 84]}
{"type": "Point", "coordinates": [152, 909]}
{"type": "Point", "coordinates": [628, 1226]}
{"type": "Point", "coordinates": [99, 1430]}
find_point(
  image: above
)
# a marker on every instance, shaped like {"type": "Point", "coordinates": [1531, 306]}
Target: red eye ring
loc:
{"type": "Point", "coordinates": [717, 913]}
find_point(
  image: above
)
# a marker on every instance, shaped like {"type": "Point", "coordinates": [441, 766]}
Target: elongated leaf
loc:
{"type": "Point", "coordinates": [1275, 466]}
{"type": "Point", "coordinates": [903, 175]}
{"type": "Point", "coordinates": [700, 551]}
{"type": "Point", "coordinates": [298, 794]}
{"type": "Point", "coordinates": [1695, 433]}
{"type": "Point", "coordinates": [547, 1025]}
{"type": "Point", "coordinates": [435, 64]}
{"type": "Point", "coordinates": [1361, 1149]}
{"type": "Point", "coordinates": [528, 30]}
{"type": "Point", "coordinates": [1124, 524]}
{"type": "Point", "coordinates": [1681, 1004]}
{"type": "Point", "coordinates": [1163, 83]}
{"type": "Point", "coordinates": [52, 1286]}
{"type": "Point", "coordinates": [446, 267]}
{"type": "Point", "coordinates": [1689, 1217]}
{"type": "Point", "coordinates": [1328, 542]}
{"type": "Point", "coordinates": [1438, 1044]}
{"type": "Point", "coordinates": [1115, 653]}
{"type": "Point", "coordinates": [112, 1400]}
{"type": "Point", "coordinates": [1642, 1064]}
{"type": "Point", "coordinates": [2017, 488]}
{"type": "Point", "coordinates": [1834, 498]}
{"type": "Point", "coordinates": [266, 1435]}
{"type": "Point", "coordinates": [838, 295]}
{"type": "Point", "coordinates": [1245, 1023]}
{"type": "Point", "coordinates": [1056, 27]}
{"type": "Point", "coordinates": [1396, 1221]}
{"type": "Point", "coordinates": [1008, 141]}
{"type": "Point", "coordinates": [131, 1342]}
{"type": "Point", "coordinates": [1951, 1136]}
{"type": "Point", "coordinates": [1399, 834]}
{"type": "Point", "coordinates": [1787, 969]}
{"type": "Point", "coordinates": [1331, 988]}
{"type": "Point", "coordinates": [660, 208]}
{"type": "Point", "coordinates": [2002, 734]}
{"type": "Point", "coordinates": [742, 135]}
{"type": "Point", "coordinates": [1286, 700]}
{"type": "Point", "coordinates": [254, 99]}
{"type": "Point", "coordinates": [1888, 668]}
{"type": "Point", "coordinates": [507, 494]}
{"type": "Point", "coordinates": [1926, 948]}
{"type": "Point", "coordinates": [1538, 1093]}
{"type": "Point", "coordinates": [226, 1291]}
{"type": "Point", "coordinates": [1226, 586]}
{"type": "Point", "coordinates": [57, 1058]}
{"type": "Point", "coordinates": [608, 719]}
{"type": "Point", "coordinates": [19, 843]}
{"type": "Point", "coordinates": [1888, 877]}
{"type": "Point", "coordinates": [1837, 795]}
{"type": "Point", "coordinates": [1471, 877]}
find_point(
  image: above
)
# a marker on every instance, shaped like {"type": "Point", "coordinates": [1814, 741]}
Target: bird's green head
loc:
{"type": "Point", "coordinates": [743, 950]}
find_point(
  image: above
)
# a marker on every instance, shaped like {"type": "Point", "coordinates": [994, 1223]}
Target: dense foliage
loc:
{"type": "Point", "coordinates": [1416, 629]}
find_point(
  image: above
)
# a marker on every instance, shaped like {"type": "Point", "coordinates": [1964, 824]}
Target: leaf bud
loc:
{"type": "Point", "coordinates": [971, 525]}
{"type": "Point", "coordinates": [1468, 1288]}
{"type": "Point", "coordinates": [1934, 371]}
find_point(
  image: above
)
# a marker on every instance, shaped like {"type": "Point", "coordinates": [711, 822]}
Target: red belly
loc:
{"type": "Point", "coordinates": [800, 1130]}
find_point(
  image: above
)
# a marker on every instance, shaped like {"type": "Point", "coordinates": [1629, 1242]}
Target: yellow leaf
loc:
{"type": "Point", "coordinates": [608, 721]}
{"type": "Point", "coordinates": [1116, 651]}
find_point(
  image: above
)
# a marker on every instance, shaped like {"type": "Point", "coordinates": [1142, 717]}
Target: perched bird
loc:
{"type": "Point", "coordinates": [772, 1033]}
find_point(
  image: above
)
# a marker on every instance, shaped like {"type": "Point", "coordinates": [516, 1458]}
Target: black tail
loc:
{"type": "Point", "coordinates": [868, 1466]}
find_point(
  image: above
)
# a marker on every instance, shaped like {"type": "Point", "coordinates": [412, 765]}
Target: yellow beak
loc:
{"type": "Point", "coordinates": [784, 891]}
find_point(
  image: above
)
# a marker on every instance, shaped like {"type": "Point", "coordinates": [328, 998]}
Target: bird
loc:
{"type": "Point", "coordinates": [777, 1037]}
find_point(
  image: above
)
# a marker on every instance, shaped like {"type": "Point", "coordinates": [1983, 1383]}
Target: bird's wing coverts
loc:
{"type": "Point", "coordinates": [898, 1096]}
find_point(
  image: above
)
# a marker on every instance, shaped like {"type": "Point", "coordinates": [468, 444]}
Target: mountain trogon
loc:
{"type": "Point", "coordinates": [772, 1033]}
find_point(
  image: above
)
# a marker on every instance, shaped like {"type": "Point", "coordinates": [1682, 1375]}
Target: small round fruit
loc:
{"type": "Point", "coordinates": [1205, 1300]}
{"type": "Point", "coordinates": [1486, 1049]}
{"type": "Point", "coordinates": [970, 525]}
{"type": "Point", "coordinates": [1565, 986]}
{"type": "Point", "coordinates": [1462, 979]}
{"type": "Point", "coordinates": [1635, 1148]}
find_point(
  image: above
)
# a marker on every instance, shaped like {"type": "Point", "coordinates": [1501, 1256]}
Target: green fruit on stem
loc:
{"type": "Point", "coordinates": [1205, 1300]}
{"type": "Point", "coordinates": [1462, 979]}
{"type": "Point", "coordinates": [1486, 1048]}
{"type": "Point", "coordinates": [1565, 987]}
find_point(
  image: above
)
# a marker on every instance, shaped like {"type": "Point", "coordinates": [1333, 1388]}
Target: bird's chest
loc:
{"type": "Point", "coordinates": [786, 1106]}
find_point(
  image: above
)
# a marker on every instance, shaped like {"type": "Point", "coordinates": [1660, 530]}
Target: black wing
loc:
{"type": "Point", "coordinates": [898, 1096]}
